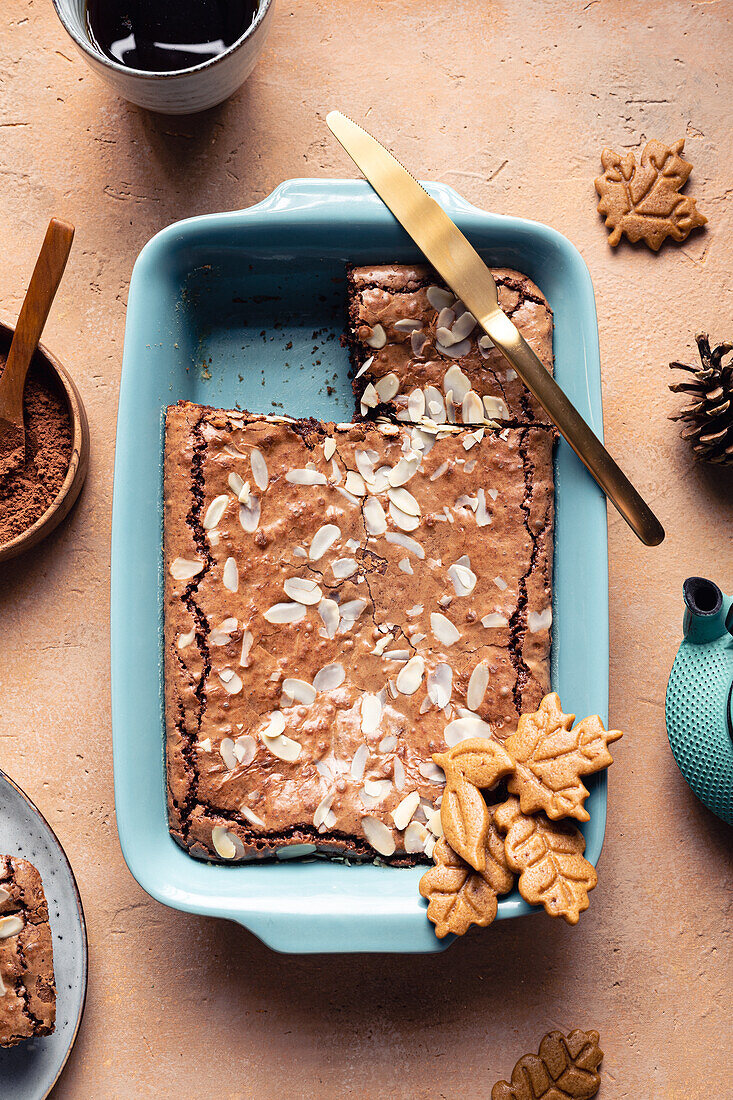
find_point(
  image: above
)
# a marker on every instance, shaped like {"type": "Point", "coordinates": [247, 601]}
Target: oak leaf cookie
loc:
{"type": "Point", "coordinates": [550, 756]}
{"type": "Point", "coordinates": [457, 895]}
{"type": "Point", "coordinates": [470, 765]}
{"type": "Point", "coordinates": [643, 200]}
{"type": "Point", "coordinates": [566, 1068]}
{"type": "Point", "coordinates": [548, 856]}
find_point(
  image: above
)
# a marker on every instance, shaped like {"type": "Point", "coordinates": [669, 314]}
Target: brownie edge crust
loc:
{"type": "Point", "coordinates": [330, 593]}
{"type": "Point", "coordinates": [27, 985]}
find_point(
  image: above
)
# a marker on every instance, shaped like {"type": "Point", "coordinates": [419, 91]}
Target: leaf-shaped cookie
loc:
{"type": "Point", "coordinates": [643, 200]}
{"type": "Point", "coordinates": [564, 1069]}
{"type": "Point", "coordinates": [548, 855]}
{"type": "Point", "coordinates": [479, 760]}
{"type": "Point", "coordinates": [550, 757]}
{"type": "Point", "coordinates": [464, 815]}
{"type": "Point", "coordinates": [457, 895]}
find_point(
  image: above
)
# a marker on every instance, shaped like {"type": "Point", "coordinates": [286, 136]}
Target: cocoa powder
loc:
{"type": "Point", "coordinates": [29, 491]}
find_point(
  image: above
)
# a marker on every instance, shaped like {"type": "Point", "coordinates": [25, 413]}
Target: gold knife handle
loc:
{"type": "Point", "coordinates": [573, 428]}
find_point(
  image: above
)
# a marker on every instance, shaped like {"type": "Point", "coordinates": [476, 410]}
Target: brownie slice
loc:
{"type": "Point", "coordinates": [331, 591]}
{"type": "Point", "coordinates": [415, 347]}
{"type": "Point", "coordinates": [27, 986]}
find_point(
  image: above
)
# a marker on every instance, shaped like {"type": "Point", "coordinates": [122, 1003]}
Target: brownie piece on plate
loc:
{"type": "Point", "coordinates": [341, 601]}
{"type": "Point", "coordinates": [416, 347]}
{"type": "Point", "coordinates": [27, 987]}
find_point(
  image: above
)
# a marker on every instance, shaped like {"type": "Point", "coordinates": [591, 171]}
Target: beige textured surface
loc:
{"type": "Point", "coordinates": [511, 104]}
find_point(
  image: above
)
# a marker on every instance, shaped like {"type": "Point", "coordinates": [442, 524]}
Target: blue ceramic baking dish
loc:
{"type": "Point", "coordinates": [246, 308]}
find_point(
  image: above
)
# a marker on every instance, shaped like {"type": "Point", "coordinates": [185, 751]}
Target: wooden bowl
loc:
{"type": "Point", "coordinates": [60, 507]}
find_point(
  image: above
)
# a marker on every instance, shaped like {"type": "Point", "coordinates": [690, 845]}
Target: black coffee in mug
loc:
{"type": "Point", "coordinates": [165, 35]}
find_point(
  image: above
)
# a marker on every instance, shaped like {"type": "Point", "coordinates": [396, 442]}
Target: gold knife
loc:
{"type": "Point", "coordinates": [469, 278]}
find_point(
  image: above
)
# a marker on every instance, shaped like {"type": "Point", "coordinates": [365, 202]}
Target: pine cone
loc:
{"type": "Point", "coordinates": [709, 416]}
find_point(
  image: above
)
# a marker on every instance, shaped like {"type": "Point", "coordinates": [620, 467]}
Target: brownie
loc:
{"type": "Point", "coordinates": [409, 335]}
{"type": "Point", "coordinates": [27, 986]}
{"type": "Point", "coordinates": [331, 591]}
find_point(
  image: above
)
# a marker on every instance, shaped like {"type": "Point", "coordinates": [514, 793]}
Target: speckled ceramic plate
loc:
{"type": "Point", "coordinates": [30, 1070]}
{"type": "Point", "coordinates": [247, 308]}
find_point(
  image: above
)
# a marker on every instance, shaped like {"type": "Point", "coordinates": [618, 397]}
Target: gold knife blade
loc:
{"type": "Point", "coordinates": [452, 255]}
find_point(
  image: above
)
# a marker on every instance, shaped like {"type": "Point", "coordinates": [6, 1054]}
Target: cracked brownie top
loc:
{"type": "Point", "coordinates": [415, 346]}
{"type": "Point", "coordinates": [341, 602]}
{"type": "Point", "coordinates": [27, 989]}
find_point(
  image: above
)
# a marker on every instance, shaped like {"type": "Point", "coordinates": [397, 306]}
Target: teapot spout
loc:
{"type": "Point", "coordinates": [707, 611]}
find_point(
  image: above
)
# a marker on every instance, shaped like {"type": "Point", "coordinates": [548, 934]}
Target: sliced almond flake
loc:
{"type": "Point", "coordinates": [417, 638]}
{"type": "Point", "coordinates": [319, 817]}
{"type": "Point", "coordinates": [443, 629]}
{"type": "Point", "coordinates": [252, 817]}
{"type": "Point", "coordinates": [477, 685]}
{"type": "Point", "coordinates": [245, 749]}
{"type": "Point", "coordinates": [416, 405]}
{"type": "Point", "coordinates": [375, 520]}
{"type": "Point", "coordinates": [365, 466]}
{"type": "Point", "coordinates": [418, 342]}
{"type": "Point", "coordinates": [381, 645]}
{"type": "Point", "coordinates": [510, 375]}
{"type": "Point", "coordinates": [404, 470]}
{"type": "Point", "coordinates": [433, 821]}
{"type": "Point", "coordinates": [358, 764]}
{"type": "Point", "coordinates": [463, 579]}
{"type": "Point", "coordinates": [439, 298]}
{"type": "Point", "coordinates": [454, 351]}
{"type": "Point", "coordinates": [410, 677]}
{"type": "Point", "coordinates": [387, 387]}
{"type": "Point", "coordinates": [260, 473]}
{"type": "Point", "coordinates": [402, 519]}
{"type": "Point", "coordinates": [465, 501]}
{"type": "Point", "coordinates": [11, 926]}
{"type": "Point", "coordinates": [231, 682]}
{"type": "Point", "coordinates": [230, 575]}
{"type": "Point", "coordinates": [454, 379]}
{"type": "Point", "coordinates": [398, 655]}
{"type": "Point", "coordinates": [355, 484]}
{"type": "Point", "coordinates": [247, 640]}
{"type": "Point", "coordinates": [496, 408]}
{"type": "Point", "coordinates": [354, 501]}
{"type": "Point", "coordinates": [221, 634]}
{"type": "Point", "coordinates": [463, 728]}
{"type": "Point", "coordinates": [233, 452]}
{"type": "Point", "coordinates": [215, 511]}
{"type": "Point", "coordinates": [350, 611]}
{"type": "Point", "coordinates": [378, 337]}
{"type": "Point", "coordinates": [300, 691]}
{"type": "Point", "coordinates": [472, 410]}
{"type": "Point", "coordinates": [305, 477]}
{"type": "Point", "coordinates": [213, 537]}
{"type": "Point", "coordinates": [469, 441]}
{"type": "Point", "coordinates": [501, 583]}
{"type": "Point", "coordinates": [404, 566]}
{"type": "Point", "coordinates": [392, 689]}
{"type": "Point", "coordinates": [388, 743]}
{"type": "Point", "coordinates": [303, 590]}
{"type": "Point", "coordinates": [329, 612]}
{"type": "Point", "coordinates": [365, 366]}
{"type": "Point", "coordinates": [369, 398]}
{"type": "Point", "coordinates": [226, 844]}
{"type": "Point", "coordinates": [444, 335]}
{"type": "Point", "coordinates": [329, 677]}
{"type": "Point", "coordinates": [425, 705]}
{"type": "Point", "coordinates": [445, 319]}
{"type": "Point", "coordinates": [493, 493]}
{"type": "Point", "coordinates": [435, 404]}
{"type": "Point", "coordinates": [403, 812]}
{"type": "Point", "coordinates": [344, 567]}
{"type": "Point", "coordinates": [205, 745]}
{"type": "Point", "coordinates": [415, 837]}
{"type": "Point", "coordinates": [430, 771]}
{"type": "Point", "coordinates": [378, 835]}
{"type": "Point", "coordinates": [483, 519]}
{"type": "Point", "coordinates": [439, 472]}
{"type": "Point", "coordinates": [299, 552]}
{"type": "Point", "coordinates": [183, 569]}
{"type": "Point", "coordinates": [464, 326]}
{"type": "Point", "coordinates": [226, 750]}
{"type": "Point", "coordinates": [539, 620]}
{"type": "Point", "coordinates": [185, 640]}
{"type": "Point", "coordinates": [440, 685]}
{"type": "Point", "coordinates": [486, 343]}
{"type": "Point", "coordinates": [404, 500]}
{"type": "Point", "coordinates": [398, 774]}
{"type": "Point", "coordinates": [285, 613]}
{"type": "Point", "coordinates": [493, 620]}
{"type": "Point", "coordinates": [329, 448]}
{"type": "Point", "coordinates": [406, 543]}
{"type": "Point", "coordinates": [430, 846]}
{"type": "Point", "coordinates": [323, 540]}
{"type": "Point", "coordinates": [336, 473]}
{"type": "Point", "coordinates": [249, 515]}
{"type": "Point", "coordinates": [371, 713]}
{"type": "Point", "coordinates": [407, 324]}
{"type": "Point", "coordinates": [284, 748]}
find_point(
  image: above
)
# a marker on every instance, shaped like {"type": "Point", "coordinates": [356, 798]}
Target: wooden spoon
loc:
{"type": "Point", "coordinates": [34, 311]}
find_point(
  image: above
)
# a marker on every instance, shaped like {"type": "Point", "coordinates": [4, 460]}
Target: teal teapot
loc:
{"type": "Point", "coordinates": [699, 704]}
